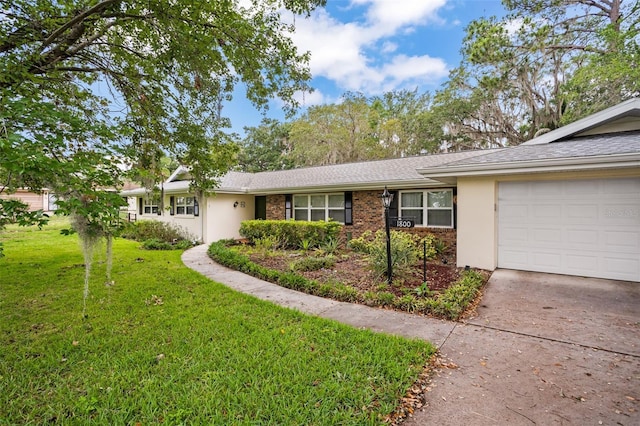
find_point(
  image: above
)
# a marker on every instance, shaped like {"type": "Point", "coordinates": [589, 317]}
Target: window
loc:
{"type": "Point", "coordinates": [319, 207]}
{"type": "Point", "coordinates": [185, 205]}
{"type": "Point", "coordinates": [150, 205]}
{"type": "Point", "coordinates": [432, 208]}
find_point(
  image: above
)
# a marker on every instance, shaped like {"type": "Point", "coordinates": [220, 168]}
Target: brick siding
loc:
{"type": "Point", "coordinates": [368, 214]}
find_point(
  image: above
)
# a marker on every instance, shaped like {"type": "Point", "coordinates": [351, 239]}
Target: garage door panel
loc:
{"type": "Point", "coordinates": [545, 260]}
{"type": "Point", "coordinates": [549, 237]}
{"type": "Point", "coordinates": [515, 190]}
{"type": "Point", "coordinates": [581, 238]}
{"type": "Point", "coordinates": [614, 187]}
{"type": "Point", "coordinates": [519, 259]}
{"type": "Point", "coordinates": [622, 241]}
{"type": "Point", "coordinates": [623, 268]}
{"type": "Point", "coordinates": [622, 213]}
{"type": "Point", "coordinates": [546, 213]}
{"type": "Point", "coordinates": [514, 235]}
{"type": "Point", "coordinates": [515, 213]}
{"type": "Point", "coordinates": [582, 227]}
{"type": "Point", "coordinates": [582, 214]}
{"type": "Point", "coordinates": [546, 190]}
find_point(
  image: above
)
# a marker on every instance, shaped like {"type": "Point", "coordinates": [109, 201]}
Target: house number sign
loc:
{"type": "Point", "coordinates": [401, 222]}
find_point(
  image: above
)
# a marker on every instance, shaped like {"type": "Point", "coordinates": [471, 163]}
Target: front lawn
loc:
{"type": "Point", "coordinates": [165, 345]}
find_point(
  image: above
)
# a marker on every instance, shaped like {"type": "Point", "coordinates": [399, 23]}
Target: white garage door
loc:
{"type": "Point", "coordinates": [582, 227]}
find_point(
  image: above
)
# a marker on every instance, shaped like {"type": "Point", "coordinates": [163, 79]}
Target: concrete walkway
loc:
{"type": "Point", "coordinates": [496, 373]}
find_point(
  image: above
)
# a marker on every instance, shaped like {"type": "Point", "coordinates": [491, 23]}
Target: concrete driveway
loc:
{"type": "Point", "coordinates": [543, 349]}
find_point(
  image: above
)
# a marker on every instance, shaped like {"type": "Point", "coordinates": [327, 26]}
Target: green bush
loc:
{"type": "Point", "coordinates": [291, 234]}
{"type": "Point", "coordinates": [404, 253]}
{"type": "Point", "coordinates": [144, 230]}
{"type": "Point", "coordinates": [312, 264]}
{"type": "Point", "coordinates": [452, 303]}
{"type": "Point", "coordinates": [156, 244]}
{"type": "Point", "coordinates": [362, 243]}
{"type": "Point", "coordinates": [406, 303]}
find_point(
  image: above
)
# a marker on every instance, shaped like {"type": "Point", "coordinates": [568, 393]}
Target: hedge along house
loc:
{"type": "Point", "coordinates": [565, 202]}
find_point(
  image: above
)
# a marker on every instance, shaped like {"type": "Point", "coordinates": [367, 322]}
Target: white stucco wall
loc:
{"type": "Point", "coordinates": [223, 219]}
{"type": "Point", "coordinates": [218, 218]}
{"type": "Point", "coordinates": [477, 238]}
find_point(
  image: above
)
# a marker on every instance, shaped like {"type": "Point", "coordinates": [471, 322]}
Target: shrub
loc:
{"type": "Point", "coordinates": [431, 241]}
{"type": "Point", "coordinates": [404, 252]}
{"type": "Point", "coordinates": [406, 303]}
{"type": "Point", "coordinates": [330, 245]}
{"type": "Point", "coordinates": [144, 230]}
{"type": "Point", "coordinates": [452, 303]}
{"type": "Point", "coordinates": [156, 244]}
{"type": "Point", "coordinates": [291, 233]}
{"type": "Point", "coordinates": [266, 243]}
{"type": "Point", "coordinates": [386, 298]}
{"type": "Point", "coordinates": [423, 290]}
{"type": "Point", "coordinates": [361, 244]}
{"type": "Point", "coordinates": [312, 264]}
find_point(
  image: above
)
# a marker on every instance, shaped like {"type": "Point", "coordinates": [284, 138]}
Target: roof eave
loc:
{"type": "Point", "coordinates": [587, 123]}
{"type": "Point", "coordinates": [364, 186]}
{"type": "Point", "coordinates": [534, 166]}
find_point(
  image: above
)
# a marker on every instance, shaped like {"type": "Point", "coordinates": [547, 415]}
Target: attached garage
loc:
{"type": "Point", "coordinates": [585, 227]}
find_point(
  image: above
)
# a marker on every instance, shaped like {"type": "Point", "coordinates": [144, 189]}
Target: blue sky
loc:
{"type": "Point", "coordinates": [375, 46]}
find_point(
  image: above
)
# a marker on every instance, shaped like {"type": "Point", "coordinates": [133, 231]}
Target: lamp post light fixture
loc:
{"type": "Point", "coordinates": [387, 198]}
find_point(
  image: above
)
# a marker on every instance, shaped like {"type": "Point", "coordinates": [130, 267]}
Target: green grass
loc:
{"type": "Point", "coordinates": [165, 345]}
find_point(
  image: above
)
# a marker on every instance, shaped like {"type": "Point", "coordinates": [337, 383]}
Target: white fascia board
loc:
{"type": "Point", "coordinates": [181, 190]}
{"type": "Point", "coordinates": [177, 172]}
{"type": "Point", "coordinates": [565, 164]}
{"type": "Point", "coordinates": [588, 122]}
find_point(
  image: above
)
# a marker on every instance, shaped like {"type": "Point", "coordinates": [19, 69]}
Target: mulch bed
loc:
{"type": "Point", "coordinates": [352, 269]}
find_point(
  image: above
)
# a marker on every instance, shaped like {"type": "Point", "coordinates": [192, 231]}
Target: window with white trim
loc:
{"type": "Point", "coordinates": [150, 205]}
{"type": "Point", "coordinates": [432, 208]}
{"type": "Point", "coordinates": [184, 205]}
{"type": "Point", "coordinates": [314, 207]}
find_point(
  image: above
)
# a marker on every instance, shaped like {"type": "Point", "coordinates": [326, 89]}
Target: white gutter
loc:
{"type": "Point", "coordinates": [563, 164]}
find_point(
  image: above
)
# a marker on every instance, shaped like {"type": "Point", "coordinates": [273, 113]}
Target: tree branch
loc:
{"type": "Point", "coordinates": [77, 19]}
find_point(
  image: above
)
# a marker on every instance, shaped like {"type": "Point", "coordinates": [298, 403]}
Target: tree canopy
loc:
{"type": "Point", "coordinates": [546, 63]}
{"type": "Point", "coordinates": [98, 91]}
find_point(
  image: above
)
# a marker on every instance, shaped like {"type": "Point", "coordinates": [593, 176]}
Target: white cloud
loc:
{"type": "Point", "coordinates": [389, 47]}
{"type": "Point", "coordinates": [391, 14]}
{"type": "Point", "coordinates": [360, 55]}
{"type": "Point", "coordinates": [307, 99]}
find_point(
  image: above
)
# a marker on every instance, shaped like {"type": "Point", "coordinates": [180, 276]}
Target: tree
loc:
{"type": "Point", "coordinates": [266, 147]}
{"type": "Point", "coordinates": [333, 134]}
{"type": "Point", "coordinates": [400, 122]}
{"type": "Point", "coordinates": [521, 74]}
{"type": "Point", "coordinates": [391, 125]}
{"type": "Point", "coordinates": [93, 92]}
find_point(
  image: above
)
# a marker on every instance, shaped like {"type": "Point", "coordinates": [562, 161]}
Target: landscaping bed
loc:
{"type": "Point", "coordinates": [340, 272]}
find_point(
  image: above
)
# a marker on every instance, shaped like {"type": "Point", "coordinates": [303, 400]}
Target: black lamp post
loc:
{"type": "Point", "coordinates": [387, 198]}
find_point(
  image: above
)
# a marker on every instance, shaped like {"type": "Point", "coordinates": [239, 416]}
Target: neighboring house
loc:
{"type": "Point", "coordinates": [45, 200]}
{"type": "Point", "coordinates": [565, 202]}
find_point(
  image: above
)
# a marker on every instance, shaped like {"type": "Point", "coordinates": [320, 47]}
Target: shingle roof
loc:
{"type": "Point", "coordinates": [587, 146]}
{"type": "Point", "coordinates": [381, 172]}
